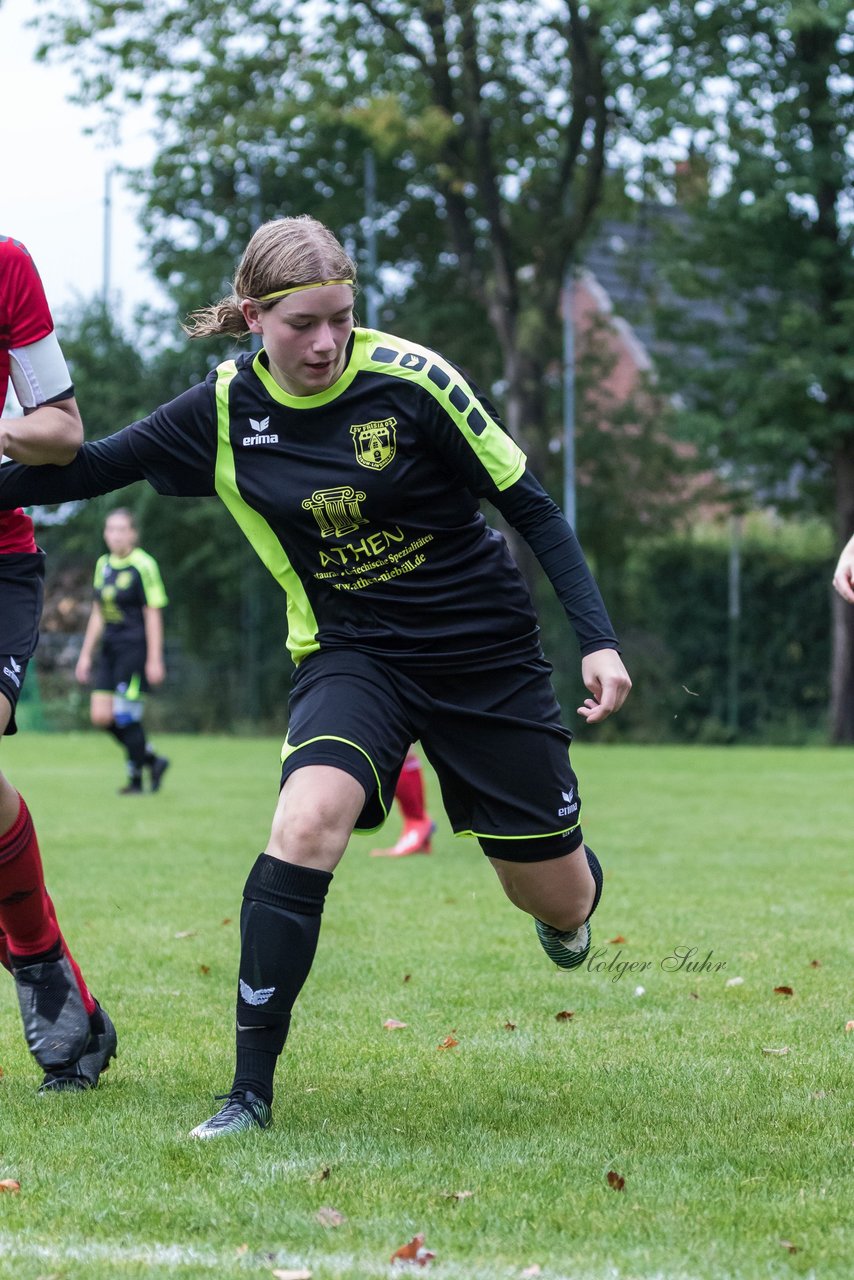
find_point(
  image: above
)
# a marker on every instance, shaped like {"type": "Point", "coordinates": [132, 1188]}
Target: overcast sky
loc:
{"type": "Point", "coordinates": [52, 190]}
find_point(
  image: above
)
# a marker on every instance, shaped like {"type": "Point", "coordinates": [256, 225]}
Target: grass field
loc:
{"type": "Point", "coordinates": [737, 1161]}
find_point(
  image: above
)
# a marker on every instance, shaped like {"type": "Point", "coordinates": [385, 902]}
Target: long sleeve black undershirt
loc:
{"type": "Point", "coordinates": [105, 465]}
{"type": "Point", "coordinates": [542, 524]}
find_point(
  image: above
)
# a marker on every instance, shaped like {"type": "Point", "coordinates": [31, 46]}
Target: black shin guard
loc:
{"type": "Point", "coordinates": [279, 928]}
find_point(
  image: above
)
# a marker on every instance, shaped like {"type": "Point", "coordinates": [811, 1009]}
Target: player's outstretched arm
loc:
{"type": "Point", "coordinates": [843, 576]}
{"type": "Point", "coordinates": [52, 433]}
{"type": "Point", "coordinates": [608, 680]}
{"type": "Point", "coordinates": [99, 467]}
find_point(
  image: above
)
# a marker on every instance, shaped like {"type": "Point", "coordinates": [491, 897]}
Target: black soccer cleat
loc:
{"type": "Point", "coordinates": [87, 1070]}
{"type": "Point", "coordinates": [159, 765]}
{"type": "Point", "coordinates": [56, 1024]}
{"type": "Point", "coordinates": [243, 1110]}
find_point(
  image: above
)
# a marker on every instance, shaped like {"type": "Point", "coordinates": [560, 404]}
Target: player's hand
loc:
{"type": "Point", "coordinates": [155, 671]}
{"type": "Point", "coordinates": [83, 670]}
{"type": "Point", "coordinates": [843, 577]}
{"type": "Point", "coordinates": [608, 680]}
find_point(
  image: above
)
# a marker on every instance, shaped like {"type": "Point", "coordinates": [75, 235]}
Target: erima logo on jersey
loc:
{"type": "Point", "coordinates": [262, 436]}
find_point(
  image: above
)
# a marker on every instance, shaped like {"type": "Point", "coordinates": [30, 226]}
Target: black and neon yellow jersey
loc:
{"type": "Point", "coordinates": [124, 586]}
{"type": "Point", "coordinates": [362, 501]}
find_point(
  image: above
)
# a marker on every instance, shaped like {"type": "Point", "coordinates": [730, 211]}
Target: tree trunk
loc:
{"type": "Point", "coordinates": [842, 654]}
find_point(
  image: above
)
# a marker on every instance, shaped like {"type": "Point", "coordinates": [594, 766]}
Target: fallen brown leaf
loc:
{"type": "Point", "coordinates": [787, 1244]}
{"type": "Point", "coordinates": [227, 920]}
{"type": "Point", "coordinates": [448, 1043]}
{"type": "Point", "coordinates": [815, 964]}
{"type": "Point", "coordinates": [394, 1024]}
{"type": "Point", "coordinates": [328, 1217]}
{"type": "Point", "coordinates": [619, 938]}
{"type": "Point", "coordinates": [457, 1195]}
{"type": "Point", "coordinates": [10, 1184]}
{"type": "Point", "coordinates": [695, 995]}
{"type": "Point", "coordinates": [616, 1181]}
{"type": "Point", "coordinates": [204, 969]}
{"type": "Point", "coordinates": [564, 1015]}
{"type": "Point", "coordinates": [414, 1252]}
{"type": "Point", "coordinates": [407, 977]}
{"type": "Point", "coordinates": [509, 1026]}
{"type": "Point", "coordinates": [1, 1073]}
{"type": "Point", "coordinates": [322, 1174]}
{"type": "Point", "coordinates": [783, 991]}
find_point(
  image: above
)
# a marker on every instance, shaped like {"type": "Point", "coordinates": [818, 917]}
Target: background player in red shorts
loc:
{"type": "Point", "coordinates": [67, 1032]}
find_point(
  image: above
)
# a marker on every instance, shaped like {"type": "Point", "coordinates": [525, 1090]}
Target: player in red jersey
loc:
{"type": "Point", "coordinates": [67, 1032]}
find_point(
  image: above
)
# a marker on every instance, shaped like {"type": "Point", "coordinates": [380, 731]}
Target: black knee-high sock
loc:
{"type": "Point", "coordinates": [279, 928]}
{"type": "Point", "coordinates": [596, 872]}
{"type": "Point", "coordinates": [132, 738]}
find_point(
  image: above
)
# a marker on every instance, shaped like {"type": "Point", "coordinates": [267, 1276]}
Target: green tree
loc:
{"type": "Point", "coordinates": [489, 121]}
{"type": "Point", "coordinates": [759, 100]}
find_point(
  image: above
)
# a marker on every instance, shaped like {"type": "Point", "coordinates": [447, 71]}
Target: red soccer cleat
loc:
{"type": "Point", "coordinates": [415, 838]}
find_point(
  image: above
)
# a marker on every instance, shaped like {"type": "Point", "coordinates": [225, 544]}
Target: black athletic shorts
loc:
{"type": "Point", "coordinates": [21, 596]}
{"type": "Point", "coordinates": [493, 737]}
{"type": "Point", "coordinates": [120, 666]}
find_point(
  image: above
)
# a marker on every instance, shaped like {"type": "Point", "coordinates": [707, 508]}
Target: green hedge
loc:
{"type": "Point", "coordinates": [671, 613]}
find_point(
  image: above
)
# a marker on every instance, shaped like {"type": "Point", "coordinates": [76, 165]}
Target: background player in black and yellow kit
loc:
{"type": "Point", "coordinates": [127, 620]}
{"type": "Point", "coordinates": [353, 462]}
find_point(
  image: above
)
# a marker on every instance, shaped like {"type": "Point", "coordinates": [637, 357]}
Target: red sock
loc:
{"type": "Point", "coordinates": [27, 917]}
{"type": "Point", "coordinates": [410, 790]}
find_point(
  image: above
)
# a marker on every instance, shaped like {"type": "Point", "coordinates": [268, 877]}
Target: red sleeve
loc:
{"type": "Point", "coordinates": [24, 300]}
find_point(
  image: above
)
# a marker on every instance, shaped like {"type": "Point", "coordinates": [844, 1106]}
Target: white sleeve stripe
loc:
{"type": "Point", "coordinates": [39, 372]}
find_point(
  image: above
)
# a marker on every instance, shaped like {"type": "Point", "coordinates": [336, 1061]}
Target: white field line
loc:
{"type": "Point", "coordinates": [326, 1266]}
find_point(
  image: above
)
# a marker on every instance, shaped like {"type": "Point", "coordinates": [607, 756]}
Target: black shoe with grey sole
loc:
{"type": "Point", "coordinates": [87, 1070]}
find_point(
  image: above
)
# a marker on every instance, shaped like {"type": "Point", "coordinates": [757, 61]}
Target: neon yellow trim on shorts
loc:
{"type": "Point", "coordinates": [134, 691]}
{"type": "Point", "coordinates": [288, 750]}
{"type": "Point", "coordinates": [543, 835]}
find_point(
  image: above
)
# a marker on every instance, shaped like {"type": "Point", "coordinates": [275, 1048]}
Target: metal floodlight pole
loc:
{"type": "Point", "coordinates": [372, 308]}
{"type": "Point", "coordinates": [108, 237]}
{"type": "Point", "coordinates": [568, 398]}
{"type": "Point", "coordinates": [734, 626]}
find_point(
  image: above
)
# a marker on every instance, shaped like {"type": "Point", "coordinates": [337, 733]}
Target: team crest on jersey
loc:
{"type": "Point", "coordinates": [375, 443]}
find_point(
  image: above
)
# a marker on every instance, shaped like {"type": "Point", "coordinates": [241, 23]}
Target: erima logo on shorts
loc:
{"type": "Point", "coordinates": [571, 805]}
{"type": "Point", "coordinates": [14, 673]}
{"type": "Point", "coordinates": [260, 427]}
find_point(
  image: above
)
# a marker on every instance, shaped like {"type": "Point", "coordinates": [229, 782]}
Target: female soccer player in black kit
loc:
{"type": "Point", "coordinates": [353, 461]}
{"type": "Point", "coordinates": [126, 628]}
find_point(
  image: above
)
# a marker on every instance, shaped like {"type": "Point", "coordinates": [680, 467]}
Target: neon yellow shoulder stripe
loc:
{"type": "Point", "coordinates": [302, 624]}
{"type": "Point", "coordinates": [496, 450]}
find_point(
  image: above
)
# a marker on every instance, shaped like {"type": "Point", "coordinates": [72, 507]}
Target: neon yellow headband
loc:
{"type": "Point", "coordinates": [297, 288]}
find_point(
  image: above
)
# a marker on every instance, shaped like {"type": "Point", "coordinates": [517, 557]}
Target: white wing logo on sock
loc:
{"type": "Point", "coordinates": [261, 996]}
